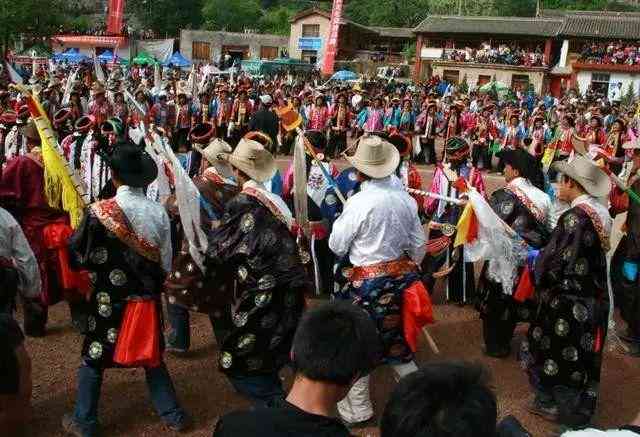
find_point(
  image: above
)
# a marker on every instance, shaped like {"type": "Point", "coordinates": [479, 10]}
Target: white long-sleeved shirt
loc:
{"type": "Point", "coordinates": [379, 224]}
{"type": "Point", "coordinates": [15, 247]}
{"type": "Point", "coordinates": [148, 219]}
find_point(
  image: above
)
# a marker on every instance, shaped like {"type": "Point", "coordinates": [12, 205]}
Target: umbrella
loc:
{"type": "Point", "coordinates": [145, 59]}
{"type": "Point", "coordinates": [107, 56]}
{"type": "Point", "coordinates": [500, 87]}
{"type": "Point", "coordinates": [177, 60]}
{"type": "Point", "coordinates": [344, 75]}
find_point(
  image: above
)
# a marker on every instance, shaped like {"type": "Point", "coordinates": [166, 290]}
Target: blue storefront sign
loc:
{"type": "Point", "coordinates": [309, 43]}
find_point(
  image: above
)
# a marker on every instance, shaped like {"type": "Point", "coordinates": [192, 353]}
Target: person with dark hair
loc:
{"type": "Point", "coordinates": [563, 351]}
{"type": "Point", "coordinates": [525, 207]}
{"type": "Point", "coordinates": [334, 345]}
{"type": "Point", "coordinates": [441, 400]}
{"type": "Point", "coordinates": [267, 122]}
{"type": "Point", "coordinates": [125, 245]}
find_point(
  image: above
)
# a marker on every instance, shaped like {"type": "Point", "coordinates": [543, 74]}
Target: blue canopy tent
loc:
{"type": "Point", "coordinates": [73, 56]}
{"type": "Point", "coordinates": [108, 57]}
{"type": "Point", "coordinates": [344, 75]}
{"type": "Point", "coordinates": [177, 60]}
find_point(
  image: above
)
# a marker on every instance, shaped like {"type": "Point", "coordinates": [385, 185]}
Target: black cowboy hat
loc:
{"type": "Point", "coordinates": [132, 165]}
{"type": "Point", "coordinates": [402, 143]}
{"type": "Point", "coordinates": [526, 164]}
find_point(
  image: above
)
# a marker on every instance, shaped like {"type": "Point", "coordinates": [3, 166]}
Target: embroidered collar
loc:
{"type": "Point", "coordinates": [112, 217]}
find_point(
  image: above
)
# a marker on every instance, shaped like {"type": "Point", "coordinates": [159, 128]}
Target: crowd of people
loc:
{"type": "Point", "coordinates": [621, 52]}
{"type": "Point", "coordinates": [507, 54]}
{"type": "Point", "coordinates": [158, 192]}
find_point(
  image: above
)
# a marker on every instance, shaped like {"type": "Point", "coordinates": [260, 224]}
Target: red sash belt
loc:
{"type": "Point", "coordinates": [391, 268]}
{"type": "Point", "coordinates": [55, 238]}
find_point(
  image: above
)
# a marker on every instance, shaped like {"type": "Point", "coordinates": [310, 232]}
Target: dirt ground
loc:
{"type": "Point", "coordinates": [125, 409]}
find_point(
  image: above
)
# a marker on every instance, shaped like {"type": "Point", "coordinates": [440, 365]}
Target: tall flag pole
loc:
{"type": "Point", "coordinates": [332, 44]}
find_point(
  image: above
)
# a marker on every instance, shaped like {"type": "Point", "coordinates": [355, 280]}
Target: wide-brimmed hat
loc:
{"type": "Point", "coordinates": [375, 157]}
{"type": "Point", "coordinates": [85, 123]}
{"type": "Point", "coordinates": [253, 159]}
{"type": "Point", "coordinates": [8, 118]}
{"type": "Point", "coordinates": [402, 143]}
{"type": "Point", "coordinates": [457, 148]}
{"type": "Point", "coordinates": [97, 88]}
{"type": "Point", "coordinates": [61, 116]}
{"type": "Point", "coordinates": [213, 152]}
{"type": "Point", "coordinates": [201, 133]}
{"type": "Point", "coordinates": [526, 164]}
{"type": "Point", "coordinates": [132, 165]}
{"type": "Point", "coordinates": [586, 173]}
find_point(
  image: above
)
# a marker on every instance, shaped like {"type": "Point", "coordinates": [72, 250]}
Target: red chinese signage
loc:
{"type": "Point", "coordinates": [331, 47]}
{"type": "Point", "coordinates": [98, 41]}
{"type": "Point", "coordinates": [116, 17]}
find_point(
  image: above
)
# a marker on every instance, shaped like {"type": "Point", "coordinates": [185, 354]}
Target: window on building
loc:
{"type": "Point", "coordinates": [267, 52]}
{"type": "Point", "coordinates": [520, 82]}
{"type": "Point", "coordinates": [600, 83]}
{"type": "Point", "coordinates": [451, 76]}
{"type": "Point", "coordinates": [483, 79]}
{"type": "Point", "coordinates": [310, 56]}
{"type": "Point", "coordinates": [310, 30]}
{"type": "Point", "coordinates": [201, 51]}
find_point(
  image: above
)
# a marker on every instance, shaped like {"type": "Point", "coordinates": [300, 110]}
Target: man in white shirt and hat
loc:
{"type": "Point", "coordinates": [380, 231]}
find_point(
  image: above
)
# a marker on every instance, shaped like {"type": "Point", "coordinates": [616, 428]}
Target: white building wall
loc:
{"type": "Point", "coordinates": [583, 79]}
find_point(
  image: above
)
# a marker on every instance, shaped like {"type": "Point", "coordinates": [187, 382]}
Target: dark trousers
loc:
{"type": "Point", "coordinates": [161, 390]}
{"type": "Point", "coordinates": [429, 151]}
{"type": "Point", "coordinates": [262, 390]}
{"type": "Point", "coordinates": [481, 157]}
{"type": "Point", "coordinates": [179, 334]}
{"type": "Point", "coordinates": [337, 143]}
{"type": "Point", "coordinates": [497, 332]}
{"type": "Point", "coordinates": [35, 317]}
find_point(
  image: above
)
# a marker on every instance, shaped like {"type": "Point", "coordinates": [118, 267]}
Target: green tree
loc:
{"type": "Point", "coordinates": [277, 20]}
{"type": "Point", "coordinates": [233, 16]}
{"type": "Point", "coordinates": [167, 17]}
{"type": "Point", "coordinates": [32, 18]}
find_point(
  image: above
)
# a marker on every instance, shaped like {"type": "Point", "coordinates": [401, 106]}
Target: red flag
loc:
{"type": "Point", "coordinates": [525, 288]}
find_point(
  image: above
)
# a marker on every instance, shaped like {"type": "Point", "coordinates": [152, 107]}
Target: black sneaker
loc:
{"type": "Point", "coordinates": [71, 427]}
{"type": "Point", "coordinates": [183, 426]}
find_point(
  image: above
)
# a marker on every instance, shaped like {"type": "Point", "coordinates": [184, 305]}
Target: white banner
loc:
{"type": "Point", "coordinates": [161, 49]}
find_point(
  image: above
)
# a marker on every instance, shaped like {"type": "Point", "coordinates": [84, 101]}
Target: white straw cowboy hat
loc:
{"type": "Point", "coordinates": [585, 172]}
{"type": "Point", "coordinates": [214, 150]}
{"type": "Point", "coordinates": [253, 159]}
{"type": "Point", "coordinates": [375, 157]}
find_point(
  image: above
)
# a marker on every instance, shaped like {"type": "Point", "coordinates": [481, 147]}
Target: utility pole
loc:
{"type": "Point", "coordinates": [460, 7]}
{"type": "Point", "coordinates": [538, 8]}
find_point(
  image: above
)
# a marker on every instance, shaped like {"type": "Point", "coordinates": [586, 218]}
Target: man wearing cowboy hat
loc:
{"type": "Point", "coordinates": [563, 351]}
{"type": "Point", "coordinates": [525, 207]}
{"type": "Point", "coordinates": [255, 249]}
{"type": "Point", "coordinates": [625, 263]}
{"type": "Point", "coordinates": [220, 110]}
{"type": "Point", "coordinates": [241, 113]}
{"type": "Point", "coordinates": [125, 244]}
{"type": "Point", "coordinates": [381, 235]}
